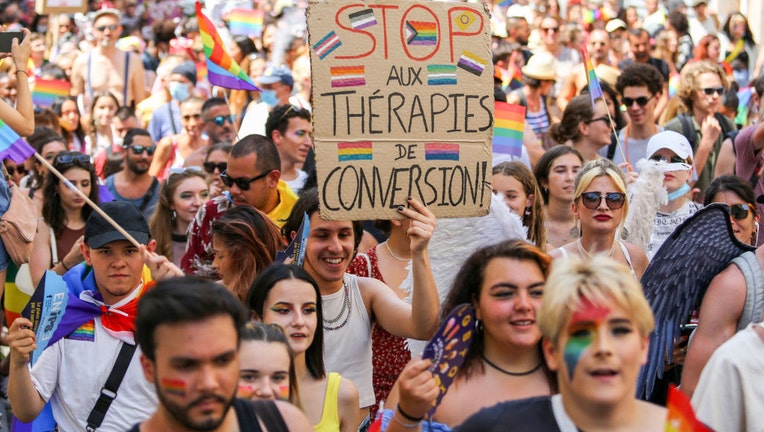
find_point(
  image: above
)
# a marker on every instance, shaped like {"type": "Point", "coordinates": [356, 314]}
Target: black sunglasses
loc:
{"type": "Point", "coordinates": [13, 170]}
{"type": "Point", "coordinates": [711, 90]}
{"type": "Point", "coordinates": [138, 150]}
{"type": "Point", "coordinates": [614, 200]}
{"type": "Point", "coordinates": [112, 27]}
{"type": "Point", "coordinates": [740, 211]}
{"type": "Point", "coordinates": [210, 167]}
{"type": "Point", "coordinates": [674, 159]}
{"type": "Point", "coordinates": [641, 101]}
{"type": "Point", "coordinates": [69, 158]}
{"type": "Point", "coordinates": [604, 118]}
{"type": "Point", "coordinates": [242, 183]}
{"type": "Point", "coordinates": [220, 120]}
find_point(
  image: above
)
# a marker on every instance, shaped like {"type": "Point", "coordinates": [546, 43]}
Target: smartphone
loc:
{"type": "Point", "coordinates": [6, 40]}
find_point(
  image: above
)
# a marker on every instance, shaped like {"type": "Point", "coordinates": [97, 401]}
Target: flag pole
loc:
{"type": "Point", "coordinates": [612, 126]}
{"type": "Point", "coordinates": [87, 199]}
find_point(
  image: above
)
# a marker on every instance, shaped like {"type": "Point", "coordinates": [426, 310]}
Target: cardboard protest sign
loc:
{"type": "Point", "coordinates": [402, 106]}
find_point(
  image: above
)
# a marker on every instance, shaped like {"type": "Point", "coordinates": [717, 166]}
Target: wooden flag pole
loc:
{"type": "Point", "coordinates": [612, 126]}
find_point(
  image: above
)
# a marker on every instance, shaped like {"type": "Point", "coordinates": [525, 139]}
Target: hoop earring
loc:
{"type": "Point", "coordinates": [478, 326]}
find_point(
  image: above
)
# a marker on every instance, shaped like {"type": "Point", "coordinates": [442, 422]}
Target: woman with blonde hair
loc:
{"type": "Point", "coordinates": [600, 207]}
{"type": "Point", "coordinates": [516, 183]}
{"type": "Point", "coordinates": [596, 324]}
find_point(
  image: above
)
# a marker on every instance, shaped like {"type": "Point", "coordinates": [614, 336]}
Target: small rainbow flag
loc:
{"type": "Point", "coordinates": [362, 19]}
{"type": "Point", "coordinates": [12, 146]}
{"type": "Point", "coordinates": [327, 44]}
{"type": "Point", "coordinates": [46, 91]}
{"type": "Point", "coordinates": [85, 332]}
{"type": "Point", "coordinates": [441, 151]}
{"type": "Point", "coordinates": [471, 63]}
{"type": "Point", "coordinates": [673, 84]}
{"type": "Point", "coordinates": [354, 151]}
{"type": "Point", "coordinates": [681, 416]}
{"type": "Point", "coordinates": [508, 127]}
{"type": "Point", "coordinates": [347, 76]}
{"type": "Point", "coordinates": [246, 22]}
{"type": "Point", "coordinates": [174, 386]}
{"type": "Point", "coordinates": [595, 91]}
{"type": "Point", "coordinates": [441, 75]}
{"type": "Point", "coordinates": [421, 33]}
{"type": "Point", "coordinates": [222, 70]}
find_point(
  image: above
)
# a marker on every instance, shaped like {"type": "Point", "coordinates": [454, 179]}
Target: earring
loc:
{"type": "Point", "coordinates": [478, 326]}
{"type": "Point", "coordinates": [624, 234]}
{"type": "Point", "coordinates": [527, 211]}
{"type": "Point", "coordinates": [575, 232]}
{"type": "Point", "coordinates": [174, 216]}
{"type": "Point", "coordinates": [755, 237]}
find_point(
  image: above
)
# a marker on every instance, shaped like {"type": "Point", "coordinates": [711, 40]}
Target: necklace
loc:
{"type": "Point", "coordinates": [583, 252]}
{"type": "Point", "coordinates": [345, 306]}
{"type": "Point", "coordinates": [506, 372]}
{"type": "Point", "coordinates": [396, 257]}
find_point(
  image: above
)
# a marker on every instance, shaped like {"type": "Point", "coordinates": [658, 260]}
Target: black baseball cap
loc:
{"type": "Point", "coordinates": [99, 232]}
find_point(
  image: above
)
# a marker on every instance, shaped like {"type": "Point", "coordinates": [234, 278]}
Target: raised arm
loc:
{"type": "Point", "coordinates": [20, 119]}
{"type": "Point", "coordinates": [25, 400]}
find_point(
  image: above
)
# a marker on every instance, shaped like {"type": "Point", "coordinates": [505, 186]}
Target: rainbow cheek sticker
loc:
{"type": "Point", "coordinates": [581, 332]}
{"type": "Point", "coordinates": [245, 391]}
{"type": "Point", "coordinates": [284, 392]}
{"type": "Point", "coordinates": [176, 387]}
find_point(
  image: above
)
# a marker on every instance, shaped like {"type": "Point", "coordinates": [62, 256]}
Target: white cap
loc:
{"type": "Point", "coordinates": [615, 24]}
{"type": "Point", "coordinates": [671, 140]}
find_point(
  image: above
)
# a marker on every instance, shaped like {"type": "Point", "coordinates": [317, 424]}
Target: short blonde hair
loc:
{"type": "Point", "coordinates": [599, 280]}
{"type": "Point", "coordinates": [598, 168]}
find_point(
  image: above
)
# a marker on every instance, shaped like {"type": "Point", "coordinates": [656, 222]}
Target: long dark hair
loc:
{"type": "Point", "coordinates": [258, 293]}
{"type": "Point", "coordinates": [52, 211]}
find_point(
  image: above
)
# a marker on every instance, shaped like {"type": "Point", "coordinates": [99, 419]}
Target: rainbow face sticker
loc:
{"type": "Point", "coordinates": [284, 393]}
{"type": "Point", "coordinates": [175, 387]}
{"type": "Point", "coordinates": [582, 331]}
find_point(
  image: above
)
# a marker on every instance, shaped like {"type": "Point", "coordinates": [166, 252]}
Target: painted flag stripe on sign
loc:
{"type": "Point", "coordinates": [348, 76]}
{"type": "Point", "coordinates": [362, 19]}
{"type": "Point", "coordinates": [441, 75]}
{"type": "Point", "coordinates": [354, 151]}
{"type": "Point", "coordinates": [471, 63]}
{"type": "Point", "coordinates": [441, 151]}
{"type": "Point", "coordinates": [327, 44]}
{"type": "Point", "coordinates": [421, 33]}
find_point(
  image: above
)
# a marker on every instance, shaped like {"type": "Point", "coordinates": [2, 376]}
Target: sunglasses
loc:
{"type": "Point", "coordinates": [112, 27]}
{"type": "Point", "coordinates": [641, 101]}
{"type": "Point", "coordinates": [740, 211]}
{"type": "Point", "coordinates": [674, 159]}
{"type": "Point", "coordinates": [603, 118]}
{"type": "Point", "coordinates": [69, 158]}
{"type": "Point", "coordinates": [138, 150]}
{"type": "Point", "coordinates": [711, 90]}
{"type": "Point", "coordinates": [220, 120]}
{"type": "Point", "coordinates": [210, 167]}
{"type": "Point", "coordinates": [14, 170]}
{"type": "Point", "coordinates": [614, 200]}
{"type": "Point", "coordinates": [550, 29]}
{"type": "Point", "coordinates": [242, 183]}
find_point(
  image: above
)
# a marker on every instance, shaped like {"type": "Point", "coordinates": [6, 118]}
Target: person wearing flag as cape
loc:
{"type": "Point", "coordinates": [98, 322]}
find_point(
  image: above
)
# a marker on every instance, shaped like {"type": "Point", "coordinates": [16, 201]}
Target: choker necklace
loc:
{"type": "Point", "coordinates": [506, 372]}
{"type": "Point", "coordinates": [345, 306]}
{"type": "Point", "coordinates": [583, 252]}
{"type": "Point", "coordinates": [179, 237]}
{"type": "Point", "coordinates": [396, 257]}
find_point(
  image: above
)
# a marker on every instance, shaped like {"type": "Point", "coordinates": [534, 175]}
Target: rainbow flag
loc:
{"type": "Point", "coordinates": [673, 84]}
{"type": "Point", "coordinates": [508, 127]}
{"type": "Point", "coordinates": [246, 22]}
{"type": "Point", "coordinates": [421, 33]}
{"type": "Point", "coordinates": [681, 416]}
{"type": "Point", "coordinates": [46, 91]}
{"type": "Point", "coordinates": [348, 76]}
{"type": "Point", "coordinates": [354, 151]}
{"type": "Point", "coordinates": [511, 78]}
{"type": "Point", "coordinates": [595, 91]}
{"type": "Point", "coordinates": [12, 146]}
{"type": "Point", "coordinates": [441, 151]}
{"type": "Point", "coordinates": [222, 71]}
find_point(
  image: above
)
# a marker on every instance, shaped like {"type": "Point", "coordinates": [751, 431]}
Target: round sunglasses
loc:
{"type": "Point", "coordinates": [592, 200]}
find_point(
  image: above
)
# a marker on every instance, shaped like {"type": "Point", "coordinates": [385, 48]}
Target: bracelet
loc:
{"type": "Point", "coordinates": [22, 71]}
{"type": "Point", "coordinates": [405, 425]}
{"type": "Point", "coordinates": [64, 265]}
{"type": "Point", "coordinates": [408, 417]}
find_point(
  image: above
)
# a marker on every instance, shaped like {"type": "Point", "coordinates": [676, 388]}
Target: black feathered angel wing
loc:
{"type": "Point", "coordinates": [677, 278]}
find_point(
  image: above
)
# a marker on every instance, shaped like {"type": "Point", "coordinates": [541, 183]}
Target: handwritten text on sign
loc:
{"type": "Point", "coordinates": [403, 106]}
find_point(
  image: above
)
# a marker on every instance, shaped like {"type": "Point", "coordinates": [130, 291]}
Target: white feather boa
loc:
{"type": "Point", "coordinates": [454, 240]}
{"type": "Point", "coordinates": [646, 195]}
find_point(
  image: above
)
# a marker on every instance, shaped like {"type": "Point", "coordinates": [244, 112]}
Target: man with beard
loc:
{"type": "Point", "coordinates": [107, 68]}
{"type": "Point", "coordinates": [134, 184]}
{"type": "Point", "coordinates": [189, 332]}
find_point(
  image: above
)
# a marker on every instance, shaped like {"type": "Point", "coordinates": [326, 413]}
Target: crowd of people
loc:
{"type": "Point", "coordinates": [187, 319]}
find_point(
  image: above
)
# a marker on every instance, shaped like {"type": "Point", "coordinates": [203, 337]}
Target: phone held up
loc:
{"type": "Point", "coordinates": [6, 40]}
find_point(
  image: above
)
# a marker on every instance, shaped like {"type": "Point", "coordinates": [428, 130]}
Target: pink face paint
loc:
{"type": "Point", "coordinates": [582, 331]}
{"type": "Point", "coordinates": [176, 387]}
{"type": "Point", "coordinates": [284, 392]}
{"type": "Point", "coordinates": [245, 391]}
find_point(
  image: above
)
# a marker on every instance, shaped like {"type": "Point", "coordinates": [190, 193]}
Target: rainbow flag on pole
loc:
{"type": "Point", "coordinates": [222, 70]}
{"type": "Point", "coordinates": [508, 127]}
{"type": "Point", "coordinates": [247, 22]}
{"type": "Point", "coordinates": [595, 91]}
{"type": "Point", "coordinates": [681, 416]}
{"type": "Point", "coordinates": [12, 146]}
{"type": "Point", "coordinates": [46, 92]}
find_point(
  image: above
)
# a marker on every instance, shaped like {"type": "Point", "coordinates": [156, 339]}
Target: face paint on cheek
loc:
{"type": "Point", "coordinates": [581, 333]}
{"type": "Point", "coordinates": [176, 387]}
{"type": "Point", "coordinates": [245, 391]}
{"type": "Point", "coordinates": [284, 392]}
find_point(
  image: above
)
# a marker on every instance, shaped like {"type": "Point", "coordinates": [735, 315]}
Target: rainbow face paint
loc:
{"type": "Point", "coordinates": [284, 392]}
{"type": "Point", "coordinates": [176, 387]}
{"type": "Point", "coordinates": [581, 332]}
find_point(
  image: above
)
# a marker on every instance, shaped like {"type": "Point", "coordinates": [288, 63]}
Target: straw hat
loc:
{"type": "Point", "coordinates": [541, 66]}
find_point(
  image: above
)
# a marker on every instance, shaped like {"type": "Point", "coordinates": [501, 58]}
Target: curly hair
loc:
{"type": "Point", "coordinates": [689, 83]}
{"type": "Point", "coordinates": [640, 75]}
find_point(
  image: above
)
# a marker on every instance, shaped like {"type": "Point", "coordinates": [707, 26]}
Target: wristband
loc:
{"type": "Point", "coordinates": [405, 425]}
{"type": "Point", "coordinates": [64, 266]}
{"type": "Point", "coordinates": [22, 71]}
{"type": "Point", "coordinates": [408, 417]}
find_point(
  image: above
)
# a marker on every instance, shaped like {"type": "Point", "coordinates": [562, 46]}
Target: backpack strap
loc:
{"type": "Point", "coordinates": [754, 289]}
{"type": "Point", "coordinates": [149, 194]}
{"type": "Point", "coordinates": [270, 415]}
{"type": "Point", "coordinates": [688, 130]}
{"type": "Point", "coordinates": [109, 390]}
